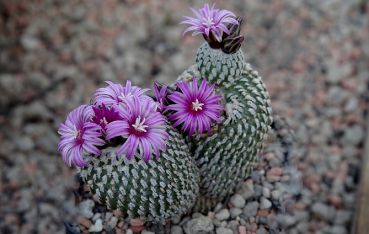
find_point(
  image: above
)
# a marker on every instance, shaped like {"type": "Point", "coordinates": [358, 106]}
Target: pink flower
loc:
{"type": "Point", "coordinates": [161, 93]}
{"type": "Point", "coordinates": [115, 94]}
{"type": "Point", "coordinates": [196, 108]}
{"type": "Point", "coordinates": [104, 115]}
{"type": "Point", "coordinates": [209, 21]}
{"type": "Point", "coordinates": [142, 126]}
{"type": "Point", "coordinates": [78, 134]}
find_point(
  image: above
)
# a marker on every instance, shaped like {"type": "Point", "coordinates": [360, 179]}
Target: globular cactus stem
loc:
{"type": "Point", "coordinates": [153, 191]}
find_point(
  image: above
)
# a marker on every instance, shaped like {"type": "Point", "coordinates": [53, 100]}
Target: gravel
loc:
{"type": "Point", "coordinates": [53, 56]}
{"type": "Point", "coordinates": [200, 225]}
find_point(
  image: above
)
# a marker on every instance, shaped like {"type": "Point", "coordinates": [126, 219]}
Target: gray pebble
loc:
{"type": "Point", "coordinates": [176, 230]}
{"type": "Point", "coordinates": [261, 230]}
{"type": "Point", "coordinates": [338, 230]}
{"type": "Point", "coordinates": [247, 191]}
{"type": "Point", "coordinates": [265, 203]}
{"type": "Point", "coordinates": [251, 209]}
{"type": "Point", "coordinates": [237, 201]}
{"type": "Point", "coordinates": [201, 225]}
{"type": "Point", "coordinates": [354, 135]}
{"type": "Point", "coordinates": [235, 212]}
{"type": "Point", "coordinates": [147, 232]}
{"type": "Point", "coordinates": [222, 214]}
{"type": "Point", "coordinates": [342, 217]}
{"type": "Point", "coordinates": [85, 208]}
{"type": "Point", "coordinates": [323, 211]}
{"type": "Point", "coordinates": [223, 230]}
{"type": "Point", "coordinates": [97, 226]}
{"type": "Point", "coordinates": [112, 222]}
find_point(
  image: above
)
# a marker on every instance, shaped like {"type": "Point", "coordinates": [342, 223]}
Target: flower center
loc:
{"type": "Point", "coordinates": [103, 121]}
{"type": "Point", "coordinates": [208, 22]}
{"type": "Point", "coordinates": [123, 97]}
{"type": "Point", "coordinates": [139, 125]}
{"type": "Point", "coordinates": [196, 105]}
{"type": "Point", "coordinates": [76, 133]}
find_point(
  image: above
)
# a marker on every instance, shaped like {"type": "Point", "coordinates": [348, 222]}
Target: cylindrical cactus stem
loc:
{"type": "Point", "coordinates": [226, 156]}
{"type": "Point", "coordinates": [155, 190]}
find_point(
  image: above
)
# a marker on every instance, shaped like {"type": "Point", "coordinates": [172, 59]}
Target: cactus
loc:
{"type": "Point", "coordinates": [226, 157]}
{"type": "Point", "coordinates": [114, 139]}
{"type": "Point", "coordinates": [156, 190]}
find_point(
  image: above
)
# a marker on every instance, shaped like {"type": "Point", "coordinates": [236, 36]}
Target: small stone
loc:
{"type": "Point", "coordinates": [200, 225]}
{"type": "Point", "coordinates": [223, 230]}
{"type": "Point", "coordinates": [176, 230]}
{"type": "Point", "coordinates": [251, 209]}
{"type": "Point", "coordinates": [261, 230]}
{"type": "Point", "coordinates": [265, 203]}
{"type": "Point", "coordinates": [222, 214]}
{"type": "Point", "coordinates": [302, 227]}
{"type": "Point", "coordinates": [354, 135]}
{"type": "Point", "coordinates": [235, 212]}
{"type": "Point", "coordinates": [247, 190]}
{"type": "Point", "coordinates": [97, 227]}
{"type": "Point", "coordinates": [112, 222]}
{"type": "Point", "coordinates": [342, 217]}
{"type": "Point", "coordinates": [85, 222]}
{"type": "Point", "coordinates": [323, 211]}
{"type": "Point", "coordinates": [129, 231]}
{"type": "Point", "coordinates": [30, 42]}
{"type": "Point", "coordinates": [85, 208]}
{"type": "Point", "coordinates": [266, 192]}
{"type": "Point", "coordinates": [274, 174]}
{"type": "Point", "coordinates": [147, 232]}
{"type": "Point", "coordinates": [237, 201]}
{"type": "Point", "coordinates": [242, 230]}
{"type": "Point", "coordinates": [276, 194]}
{"type": "Point", "coordinates": [286, 220]}
{"type": "Point", "coordinates": [338, 230]}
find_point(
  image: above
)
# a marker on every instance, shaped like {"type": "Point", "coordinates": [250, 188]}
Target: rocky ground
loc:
{"type": "Point", "coordinates": [313, 55]}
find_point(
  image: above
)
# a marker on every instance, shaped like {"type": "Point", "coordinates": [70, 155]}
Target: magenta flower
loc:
{"type": "Point", "coordinates": [161, 92]}
{"type": "Point", "coordinates": [209, 21]}
{"type": "Point", "coordinates": [195, 107]}
{"type": "Point", "coordinates": [142, 126]}
{"type": "Point", "coordinates": [78, 134]}
{"type": "Point", "coordinates": [104, 115]}
{"type": "Point", "coordinates": [115, 93]}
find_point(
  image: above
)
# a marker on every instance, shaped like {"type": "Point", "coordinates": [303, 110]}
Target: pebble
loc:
{"type": "Point", "coordinates": [265, 203]}
{"type": "Point", "coordinates": [261, 230]}
{"type": "Point", "coordinates": [85, 208]}
{"type": "Point", "coordinates": [235, 212]}
{"type": "Point", "coordinates": [222, 214]}
{"type": "Point", "coordinates": [237, 201]}
{"type": "Point", "coordinates": [323, 211]}
{"type": "Point", "coordinates": [251, 209]}
{"type": "Point", "coordinates": [354, 135]}
{"type": "Point", "coordinates": [97, 226]}
{"type": "Point", "coordinates": [222, 230]}
{"type": "Point", "coordinates": [176, 230]}
{"type": "Point", "coordinates": [147, 232]}
{"type": "Point", "coordinates": [343, 217]}
{"type": "Point", "coordinates": [200, 225]}
{"type": "Point", "coordinates": [112, 222]}
{"type": "Point", "coordinates": [247, 190]}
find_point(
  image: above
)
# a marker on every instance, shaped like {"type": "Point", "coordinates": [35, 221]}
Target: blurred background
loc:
{"type": "Point", "coordinates": [313, 56]}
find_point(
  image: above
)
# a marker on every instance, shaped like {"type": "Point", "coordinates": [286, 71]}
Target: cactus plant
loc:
{"type": "Point", "coordinates": [192, 143]}
{"type": "Point", "coordinates": [113, 141]}
{"type": "Point", "coordinates": [225, 158]}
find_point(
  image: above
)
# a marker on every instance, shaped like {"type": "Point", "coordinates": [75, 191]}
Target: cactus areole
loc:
{"type": "Point", "coordinates": [189, 146]}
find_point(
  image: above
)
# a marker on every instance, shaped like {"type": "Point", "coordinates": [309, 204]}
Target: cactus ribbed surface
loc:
{"type": "Point", "coordinates": [226, 157]}
{"type": "Point", "coordinates": [155, 190]}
